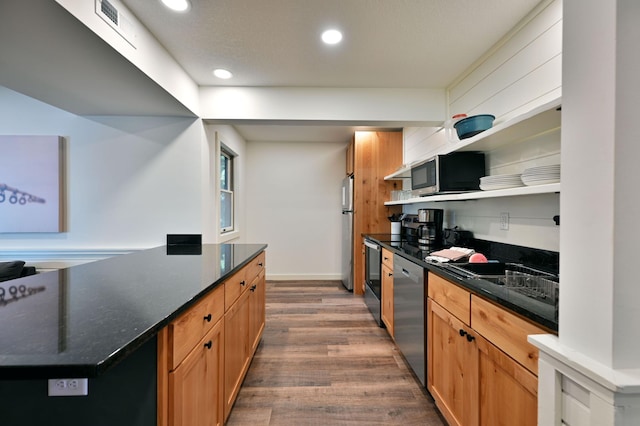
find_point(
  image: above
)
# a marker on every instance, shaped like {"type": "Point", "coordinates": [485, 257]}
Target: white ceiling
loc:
{"type": "Point", "coordinates": [386, 44]}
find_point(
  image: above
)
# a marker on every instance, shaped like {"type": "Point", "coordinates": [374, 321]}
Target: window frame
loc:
{"type": "Point", "coordinates": [229, 177]}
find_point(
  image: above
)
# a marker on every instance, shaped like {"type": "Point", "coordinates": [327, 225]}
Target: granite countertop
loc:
{"type": "Point", "coordinates": [541, 313]}
{"type": "Point", "coordinates": [79, 321]}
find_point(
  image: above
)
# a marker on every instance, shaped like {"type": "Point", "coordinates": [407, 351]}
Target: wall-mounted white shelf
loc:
{"type": "Point", "coordinates": [542, 119]}
{"type": "Point", "coordinates": [402, 173]}
{"type": "Point", "coordinates": [509, 192]}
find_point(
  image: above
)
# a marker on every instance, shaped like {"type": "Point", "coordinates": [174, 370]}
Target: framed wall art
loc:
{"type": "Point", "coordinates": [31, 182]}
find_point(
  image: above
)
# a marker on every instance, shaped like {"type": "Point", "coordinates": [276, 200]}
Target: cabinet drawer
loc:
{"type": "Point", "coordinates": [234, 287]}
{"type": "Point", "coordinates": [254, 267]}
{"type": "Point", "coordinates": [239, 282]}
{"type": "Point", "coordinates": [507, 331]}
{"type": "Point", "coordinates": [387, 258]}
{"type": "Point", "coordinates": [189, 328]}
{"type": "Point", "coordinates": [453, 298]}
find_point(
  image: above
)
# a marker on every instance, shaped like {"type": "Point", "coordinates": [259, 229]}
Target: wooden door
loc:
{"type": "Point", "coordinates": [236, 348]}
{"type": "Point", "coordinates": [196, 386]}
{"type": "Point", "coordinates": [508, 392]}
{"type": "Point", "coordinates": [387, 298]}
{"type": "Point", "coordinates": [214, 342]}
{"type": "Point", "coordinates": [257, 302]}
{"type": "Point", "coordinates": [187, 391]}
{"type": "Point", "coordinates": [452, 366]}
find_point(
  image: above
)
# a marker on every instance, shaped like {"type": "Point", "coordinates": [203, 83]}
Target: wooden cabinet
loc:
{"type": "Point", "coordinates": [376, 154]}
{"type": "Point", "coordinates": [387, 290]}
{"type": "Point", "coordinates": [451, 360]}
{"type": "Point", "coordinates": [236, 349]}
{"type": "Point", "coordinates": [451, 365]}
{"type": "Point", "coordinates": [257, 303]}
{"type": "Point", "coordinates": [244, 323]}
{"type": "Point", "coordinates": [508, 392]}
{"type": "Point", "coordinates": [191, 365]}
{"type": "Point", "coordinates": [204, 354]}
{"type": "Point", "coordinates": [481, 369]}
{"type": "Point", "coordinates": [197, 385]}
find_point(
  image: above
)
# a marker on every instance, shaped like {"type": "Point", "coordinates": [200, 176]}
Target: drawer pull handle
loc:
{"type": "Point", "coordinates": [207, 318]}
{"type": "Point", "coordinates": [208, 344]}
{"type": "Point", "coordinates": [390, 274]}
{"type": "Point", "coordinates": [261, 264]}
{"type": "Point", "coordinates": [253, 287]}
{"type": "Point", "coordinates": [470, 338]}
{"type": "Point", "coordinates": [243, 283]}
{"type": "Point", "coordinates": [462, 333]}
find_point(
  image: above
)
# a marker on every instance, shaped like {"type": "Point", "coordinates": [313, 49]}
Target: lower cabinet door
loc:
{"type": "Point", "coordinates": [196, 387]}
{"type": "Point", "coordinates": [236, 348]}
{"type": "Point", "coordinates": [452, 366]}
{"type": "Point", "coordinates": [257, 316]}
{"type": "Point", "coordinates": [508, 391]}
{"type": "Point", "coordinates": [387, 298]}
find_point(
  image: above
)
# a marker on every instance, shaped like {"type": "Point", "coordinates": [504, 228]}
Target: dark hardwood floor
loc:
{"type": "Point", "coordinates": [324, 361]}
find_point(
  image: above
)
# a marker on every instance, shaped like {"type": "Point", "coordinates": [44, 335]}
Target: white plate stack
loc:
{"type": "Point", "coordinates": [489, 183]}
{"type": "Point", "coordinates": [541, 175]}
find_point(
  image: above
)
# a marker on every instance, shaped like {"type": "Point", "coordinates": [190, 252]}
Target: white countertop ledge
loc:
{"type": "Point", "coordinates": [622, 381]}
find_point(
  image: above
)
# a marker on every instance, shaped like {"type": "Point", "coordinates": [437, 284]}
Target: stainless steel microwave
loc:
{"type": "Point", "coordinates": [454, 172]}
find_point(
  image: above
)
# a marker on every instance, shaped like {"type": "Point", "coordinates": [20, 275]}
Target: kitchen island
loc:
{"type": "Point", "coordinates": [101, 321]}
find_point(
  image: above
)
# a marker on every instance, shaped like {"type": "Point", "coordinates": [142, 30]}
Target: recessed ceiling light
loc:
{"type": "Point", "coordinates": [177, 5]}
{"type": "Point", "coordinates": [332, 36]}
{"type": "Point", "coordinates": [224, 74]}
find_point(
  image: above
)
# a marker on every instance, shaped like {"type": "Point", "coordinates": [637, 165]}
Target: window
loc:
{"type": "Point", "coordinates": [226, 191]}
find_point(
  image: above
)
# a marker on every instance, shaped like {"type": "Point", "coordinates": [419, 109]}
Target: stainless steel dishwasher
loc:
{"type": "Point", "coordinates": [409, 314]}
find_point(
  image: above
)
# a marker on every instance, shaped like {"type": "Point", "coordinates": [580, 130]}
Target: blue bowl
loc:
{"type": "Point", "coordinates": [471, 126]}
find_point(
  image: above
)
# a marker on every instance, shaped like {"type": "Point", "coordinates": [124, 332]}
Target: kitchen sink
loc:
{"type": "Point", "coordinates": [531, 282]}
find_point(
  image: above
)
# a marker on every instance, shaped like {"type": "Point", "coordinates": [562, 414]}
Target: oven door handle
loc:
{"type": "Point", "coordinates": [371, 245]}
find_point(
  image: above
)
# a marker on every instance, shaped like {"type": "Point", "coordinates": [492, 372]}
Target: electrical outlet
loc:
{"type": "Point", "coordinates": [68, 387]}
{"type": "Point", "coordinates": [504, 221]}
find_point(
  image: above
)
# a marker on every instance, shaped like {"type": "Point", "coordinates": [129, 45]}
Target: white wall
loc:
{"type": "Point", "coordinates": [142, 49]}
{"type": "Point", "coordinates": [129, 180]}
{"type": "Point", "coordinates": [522, 72]}
{"type": "Point", "coordinates": [293, 204]}
{"type": "Point", "coordinates": [349, 106]}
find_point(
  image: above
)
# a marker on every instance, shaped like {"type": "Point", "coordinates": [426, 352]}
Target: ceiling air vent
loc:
{"type": "Point", "coordinates": [112, 13]}
{"type": "Point", "coordinates": [109, 11]}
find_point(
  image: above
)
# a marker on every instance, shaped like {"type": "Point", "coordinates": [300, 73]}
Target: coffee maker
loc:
{"type": "Point", "coordinates": [430, 229]}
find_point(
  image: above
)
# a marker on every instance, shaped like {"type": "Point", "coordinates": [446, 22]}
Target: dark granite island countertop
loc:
{"type": "Point", "coordinates": [82, 320]}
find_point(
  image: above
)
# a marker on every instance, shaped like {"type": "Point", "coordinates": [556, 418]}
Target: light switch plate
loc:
{"type": "Point", "coordinates": [504, 221]}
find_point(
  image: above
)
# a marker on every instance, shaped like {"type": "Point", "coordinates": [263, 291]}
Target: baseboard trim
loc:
{"type": "Point", "coordinates": [302, 277]}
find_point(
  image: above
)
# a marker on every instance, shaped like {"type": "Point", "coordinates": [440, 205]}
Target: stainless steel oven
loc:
{"type": "Point", "coordinates": [373, 279]}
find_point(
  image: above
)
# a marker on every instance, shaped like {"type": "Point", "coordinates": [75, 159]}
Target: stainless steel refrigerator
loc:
{"type": "Point", "coordinates": [347, 233]}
